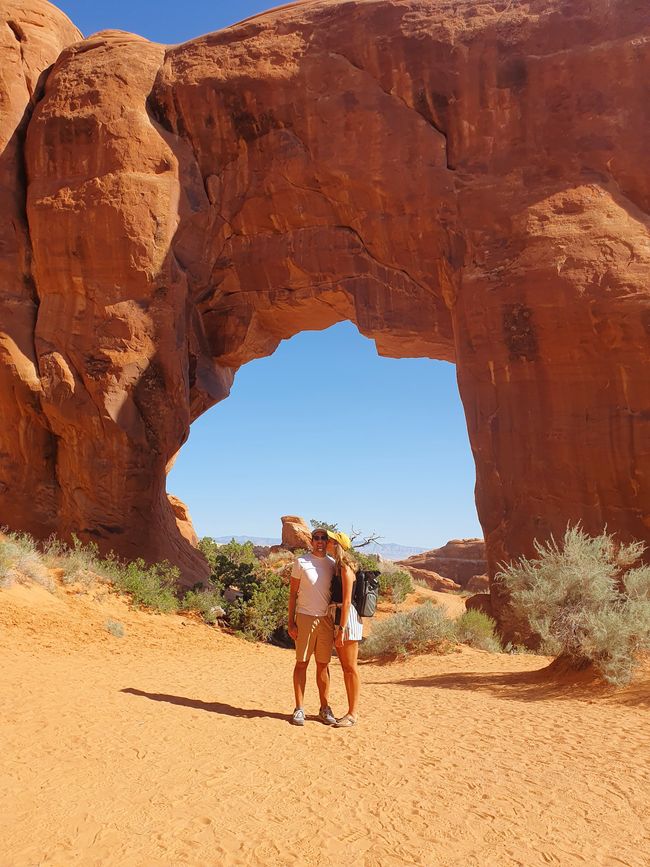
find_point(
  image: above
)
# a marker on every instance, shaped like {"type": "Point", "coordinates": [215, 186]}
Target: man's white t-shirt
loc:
{"type": "Point", "coordinates": [315, 576]}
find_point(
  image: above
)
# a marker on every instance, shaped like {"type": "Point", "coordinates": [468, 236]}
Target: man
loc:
{"type": "Point", "coordinates": [309, 624]}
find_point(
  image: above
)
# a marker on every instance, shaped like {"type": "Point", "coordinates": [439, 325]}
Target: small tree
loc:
{"type": "Point", "coordinates": [325, 525]}
{"type": "Point", "coordinates": [588, 598]}
{"type": "Point", "coordinates": [357, 538]}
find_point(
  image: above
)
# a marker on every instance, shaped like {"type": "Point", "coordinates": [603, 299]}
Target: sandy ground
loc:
{"type": "Point", "coordinates": [171, 746]}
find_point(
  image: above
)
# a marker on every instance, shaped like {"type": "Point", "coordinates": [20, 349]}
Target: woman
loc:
{"type": "Point", "coordinates": [348, 628]}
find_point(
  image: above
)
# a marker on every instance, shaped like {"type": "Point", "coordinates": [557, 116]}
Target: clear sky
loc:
{"type": "Point", "coordinates": [324, 428]}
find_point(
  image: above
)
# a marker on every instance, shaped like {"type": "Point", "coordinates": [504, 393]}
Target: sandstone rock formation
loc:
{"type": "Point", "coordinates": [295, 533]}
{"type": "Point", "coordinates": [433, 580]}
{"type": "Point", "coordinates": [465, 181]}
{"type": "Point", "coordinates": [30, 41]}
{"type": "Point", "coordinates": [458, 560]}
{"type": "Point", "coordinates": [183, 520]}
{"type": "Point", "coordinates": [478, 584]}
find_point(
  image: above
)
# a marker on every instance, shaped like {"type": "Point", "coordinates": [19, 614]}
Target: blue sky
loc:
{"type": "Point", "coordinates": [382, 445]}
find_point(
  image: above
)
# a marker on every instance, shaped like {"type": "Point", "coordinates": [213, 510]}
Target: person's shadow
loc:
{"type": "Point", "coordinates": [210, 706]}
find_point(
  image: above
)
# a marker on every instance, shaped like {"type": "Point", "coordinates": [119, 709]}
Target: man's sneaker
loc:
{"type": "Point", "coordinates": [298, 718]}
{"type": "Point", "coordinates": [325, 715]}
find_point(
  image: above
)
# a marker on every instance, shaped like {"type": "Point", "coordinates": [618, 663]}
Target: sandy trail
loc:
{"type": "Point", "coordinates": [171, 746]}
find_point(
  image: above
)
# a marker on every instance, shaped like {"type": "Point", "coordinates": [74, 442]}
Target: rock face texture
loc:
{"type": "Point", "coordinates": [433, 580]}
{"type": "Point", "coordinates": [183, 520]}
{"type": "Point", "coordinates": [466, 181]}
{"type": "Point", "coordinates": [31, 39]}
{"type": "Point", "coordinates": [295, 533]}
{"type": "Point", "coordinates": [458, 560]}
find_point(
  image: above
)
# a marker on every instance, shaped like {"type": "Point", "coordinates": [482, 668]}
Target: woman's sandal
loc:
{"type": "Point", "coordinates": [345, 722]}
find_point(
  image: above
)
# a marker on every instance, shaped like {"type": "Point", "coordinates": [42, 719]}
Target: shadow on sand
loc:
{"type": "Point", "coordinates": [541, 685]}
{"type": "Point", "coordinates": [209, 706]}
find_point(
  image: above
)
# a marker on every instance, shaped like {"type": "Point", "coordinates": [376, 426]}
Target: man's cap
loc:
{"type": "Point", "coordinates": [342, 538]}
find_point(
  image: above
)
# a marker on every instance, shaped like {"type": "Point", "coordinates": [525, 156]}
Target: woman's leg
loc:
{"type": "Point", "coordinates": [348, 655]}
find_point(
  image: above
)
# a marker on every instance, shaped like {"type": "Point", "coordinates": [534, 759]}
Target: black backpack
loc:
{"type": "Point", "coordinates": [365, 591]}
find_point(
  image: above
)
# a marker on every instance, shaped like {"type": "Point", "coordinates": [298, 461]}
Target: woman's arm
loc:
{"type": "Point", "coordinates": [347, 582]}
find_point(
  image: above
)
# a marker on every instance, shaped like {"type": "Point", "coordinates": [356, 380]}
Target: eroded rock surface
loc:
{"type": "Point", "coordinates": [458, 560]}
{"type": "Point", "coordinates": [295, 533]}
{"type": "Point", "coordinates": [32, 36]}
{"type": "Point", "coordinates": [465, 181]}
{"type": "Point", "coordinates": [433, 580]}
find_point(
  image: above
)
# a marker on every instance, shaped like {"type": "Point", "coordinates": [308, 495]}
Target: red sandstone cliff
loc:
{"type": "Point", "coordinates": [464, 182]}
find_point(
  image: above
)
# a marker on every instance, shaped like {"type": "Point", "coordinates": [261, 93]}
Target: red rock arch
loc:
{"type": "Point", "coordinates": [462, 181]}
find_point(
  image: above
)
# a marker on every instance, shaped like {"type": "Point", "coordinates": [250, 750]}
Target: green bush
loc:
{"type": "Point", "coordinates": [365, 561]}
{"type": "Point", "coordinates": [587, 597]}
{"type": "Point", "coordinates": [149, 586]}
{"type": "Point", "coordinates": [395, 582]}
{"type": "Point", "coordinates": [422, 629]}
{"type": "Point", "coordinates": [232, 564]}
{"type": "Point", "coordinates": [260, 610]}
{"type": "Point", "coordinates": [261, 614]}
{"type": "Point", "coordinates": [207, 602]}
{"type": "Point", "coordinates": [476, 629]}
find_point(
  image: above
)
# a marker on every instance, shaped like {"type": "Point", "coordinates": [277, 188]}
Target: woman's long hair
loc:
{"type": "Point", "coordinates": [341, 556]}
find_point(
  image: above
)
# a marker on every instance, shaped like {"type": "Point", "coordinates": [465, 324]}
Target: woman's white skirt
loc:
{"type": "Point", "coordinates": [354, 626]}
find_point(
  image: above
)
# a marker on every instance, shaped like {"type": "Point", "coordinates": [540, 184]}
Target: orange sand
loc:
{"type": "Point", "coordinates": [171, 746]}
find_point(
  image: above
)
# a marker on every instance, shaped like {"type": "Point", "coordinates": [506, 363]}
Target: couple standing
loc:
{"type": "Point", "coordinates": [317, 624]}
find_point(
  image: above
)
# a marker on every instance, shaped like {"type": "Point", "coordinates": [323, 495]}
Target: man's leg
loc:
{"type": "Point", "coordinates": [323, 683]}
{"type": "Point", "coordinates": [299, 682]}
{"type": "Point", "coordinates": [323, 654]}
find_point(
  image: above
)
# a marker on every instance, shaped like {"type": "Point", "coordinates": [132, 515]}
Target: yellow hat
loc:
{"type": "Point", "coordinates": [342, 538]}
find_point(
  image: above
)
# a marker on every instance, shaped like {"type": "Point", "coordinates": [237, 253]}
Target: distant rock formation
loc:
{"type": "Point", "coordinates": [459, 561]}
{"type": "Point", "coordinates": [464, 181]}
{"type": "Point", "coordinates": [433, 580]}
{"type": "Point", "coordinates": [295, 533]}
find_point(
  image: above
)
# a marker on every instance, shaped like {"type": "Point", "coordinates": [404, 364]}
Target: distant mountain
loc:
{"type": "Point", "coordinates": [387, 550]}
{"type": "Point", "coordinates": [392, 551]}
{"type": "Point", "coordinates": [256, 540]}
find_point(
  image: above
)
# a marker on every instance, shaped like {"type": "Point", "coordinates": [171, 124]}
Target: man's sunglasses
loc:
{"type": "Point", "coordinates": [319, 538]}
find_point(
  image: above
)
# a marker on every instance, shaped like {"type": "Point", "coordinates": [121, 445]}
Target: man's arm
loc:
{"type": "Point", "coordinates": [294, 586]}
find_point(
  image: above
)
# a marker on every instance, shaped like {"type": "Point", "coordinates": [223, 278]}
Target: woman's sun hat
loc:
{"type": "Point", "coordinates": [342, 538]}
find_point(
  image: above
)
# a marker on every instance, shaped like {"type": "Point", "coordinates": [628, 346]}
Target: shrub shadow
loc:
{"type": "Point", "coordinates": [209, 706]}
{"type": "Point", "coordinates": [539, 685]}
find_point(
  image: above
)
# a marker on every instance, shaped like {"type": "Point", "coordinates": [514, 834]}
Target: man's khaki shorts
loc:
{"type": "Point", "coordinates": [315, 635]}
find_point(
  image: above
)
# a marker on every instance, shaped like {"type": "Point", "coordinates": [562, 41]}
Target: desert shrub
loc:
{"type": "Point", "coordinates": [588, 598]}
{"type": "Point", "coordinates": [20, 559]}
{"type": "Point", "coordinates": [261, 614]}
{"type": "Point", "coordinates": [207, 602]}
{"type": "Point", "coordinates": [520, 649]}
{"type": "Point", "coordinates": [476, 629]}
{"type": "Point", "coordinates": [395, 582]}
{"type": "Point", "coordinates": [232, 564]}
{"type": "Point", "coordinates": [365, 561]}
{"type": "Point", "coordinates": [149, 586]}
{"type": "Point", "coordinates": [325, 525]}
{"type": "Point", "coordinates": [422, 629]}
{"type": "Point", "coordinates": [115, 628]}
{"type": "Point", "coordinates": [260, 610]}
{"type": "Point", "coordinates": [80, 562]}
